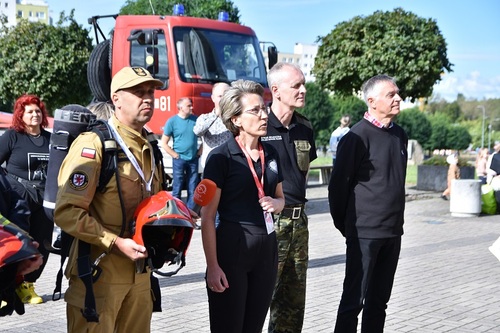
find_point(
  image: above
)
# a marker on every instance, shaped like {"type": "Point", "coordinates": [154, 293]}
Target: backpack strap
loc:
{"type": "Point", "coordinates": [166, 180]}
{"type": "Point", "coordinates": [85, 273]}
{"type": "Point", "coordinates": [109, 165]}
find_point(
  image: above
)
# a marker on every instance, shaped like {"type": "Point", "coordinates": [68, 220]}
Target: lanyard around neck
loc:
{"type": "Point", "coordinates": [132, 158]}
{"type": "Point", "coordinates": [259, 184]}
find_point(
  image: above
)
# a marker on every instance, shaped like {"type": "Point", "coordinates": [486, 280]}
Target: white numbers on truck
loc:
{"type": "Point", "coordinates": [163, 103]}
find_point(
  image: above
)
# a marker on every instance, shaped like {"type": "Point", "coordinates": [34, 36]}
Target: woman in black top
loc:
{"type": "Point", "coordinates": [241, 253]}
{"type": "Point", "coordinates": [25, 150]}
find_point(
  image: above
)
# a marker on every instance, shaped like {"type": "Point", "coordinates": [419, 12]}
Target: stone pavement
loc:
{"type": "Point", "coordinates": [447, 280]}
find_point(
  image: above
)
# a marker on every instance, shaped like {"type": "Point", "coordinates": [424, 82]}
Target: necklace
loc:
{"type": "Point", "coordinates": [35, 136]}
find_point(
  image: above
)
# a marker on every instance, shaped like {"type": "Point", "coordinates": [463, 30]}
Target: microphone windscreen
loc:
{"type": "Point", "coordinates": [204, 192]}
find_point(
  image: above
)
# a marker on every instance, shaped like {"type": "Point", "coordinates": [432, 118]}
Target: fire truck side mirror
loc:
{"type": "Point", "coordinates": [272, 55]}
{"type": "Point", "coordinates": [144, 37]}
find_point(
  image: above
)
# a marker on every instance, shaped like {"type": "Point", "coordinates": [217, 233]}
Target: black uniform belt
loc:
{"type": "Point", "coordinates": [292, 212]}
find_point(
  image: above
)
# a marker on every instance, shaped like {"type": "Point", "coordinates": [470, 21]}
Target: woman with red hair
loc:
{"type": "Point", "coordinates": [25, 150]}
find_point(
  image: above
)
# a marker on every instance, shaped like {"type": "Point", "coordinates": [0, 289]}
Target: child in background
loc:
{"type": "Point", "coordinates": [453, 173]}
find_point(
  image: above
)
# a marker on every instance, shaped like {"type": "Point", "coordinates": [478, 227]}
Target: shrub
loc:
{"type": "Point", "coordinates": [441, 160]}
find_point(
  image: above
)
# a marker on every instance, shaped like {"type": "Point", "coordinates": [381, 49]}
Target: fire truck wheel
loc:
{"type": "Point", "coordinates": [99, 71]}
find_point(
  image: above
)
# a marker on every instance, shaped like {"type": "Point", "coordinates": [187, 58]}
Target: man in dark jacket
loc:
{"type": "Point", "coordinates": [367, 201]}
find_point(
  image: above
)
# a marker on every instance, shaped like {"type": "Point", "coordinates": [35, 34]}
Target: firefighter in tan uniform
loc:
{"type": "Point", "coordinates": [122, 295]}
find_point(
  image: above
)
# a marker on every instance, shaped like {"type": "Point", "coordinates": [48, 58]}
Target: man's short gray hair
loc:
{"type": "Point", "coordinates": [274, 76]}
{"type": "Point", "coordinates": [372, 82]}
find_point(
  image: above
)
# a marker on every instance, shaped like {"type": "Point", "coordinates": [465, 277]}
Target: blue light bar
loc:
{"type": "Point", "coordinates": [223, 16]}
{"type": "Point", "coordinates": [179, 10]}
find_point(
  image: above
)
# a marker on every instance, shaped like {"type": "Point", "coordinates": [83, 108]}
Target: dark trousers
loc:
{"type": "Point", "coordinates": [370, 268]}
{"type": "Point", "coordinates": [248, 256]}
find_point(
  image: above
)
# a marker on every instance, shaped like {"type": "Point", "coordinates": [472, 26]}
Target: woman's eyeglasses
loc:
{"type": "Point", "coordinates": [258, 111]}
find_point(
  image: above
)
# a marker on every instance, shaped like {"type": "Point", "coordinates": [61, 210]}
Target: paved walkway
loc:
{"type": "Point", "coordinates": [447, 280]}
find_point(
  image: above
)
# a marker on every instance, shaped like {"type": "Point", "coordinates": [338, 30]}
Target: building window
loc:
{"type": "Point", "coordinates": [40, 15]}
{"type": "Point", "coordinates": [31, 14]}
{"type": "Point", "coordinates": [6, 5]}
{"type": "Point", "coordinates": [19, 13]}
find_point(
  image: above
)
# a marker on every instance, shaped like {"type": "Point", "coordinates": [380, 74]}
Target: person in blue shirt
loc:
{"type": "Point", "coordinates": [339, 132]}
{"type": "Point", "coordinates": [184, 151]}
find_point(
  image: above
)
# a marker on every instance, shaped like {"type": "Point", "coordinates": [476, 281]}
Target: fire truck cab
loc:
{"type": "Point", "coordinates": [188, 54]}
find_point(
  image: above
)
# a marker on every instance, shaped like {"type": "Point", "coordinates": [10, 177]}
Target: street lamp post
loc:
{"type": "Point", "coordinates": [482, 128]}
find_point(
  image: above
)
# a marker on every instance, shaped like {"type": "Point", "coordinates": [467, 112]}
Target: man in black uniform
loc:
{"type": "Point", "coordinates": [292, 136]}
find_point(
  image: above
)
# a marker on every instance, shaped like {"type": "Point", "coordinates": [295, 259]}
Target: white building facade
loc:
{"type": "Point", "coordinates": [8, 8]}
{"type": "Point", "coordinates": [31, 10]}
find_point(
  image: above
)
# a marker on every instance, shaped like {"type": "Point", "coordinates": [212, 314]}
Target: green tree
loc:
{"type": "Point", "coordinates": [195, 8]}
{"type": "Point", "coordinates": [350, 105]}
{"type": "Point", "coordinates": [319, 110]}
{"type": "Point", "coordinates": [451, 110]}
{"type": "Point", "coordinates": [416, 125]}
{"type": "Point", "coordinates": [396, 43]}
{"type": "Point", "coordinates": [48, 61]}
{"type": "Point", "coordinates": [439, 135]}
{"type": "Point", "coordinates": [458, 138]}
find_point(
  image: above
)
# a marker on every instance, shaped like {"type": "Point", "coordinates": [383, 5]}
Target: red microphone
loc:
{"type": "Point", "coordinates": [203, 194]}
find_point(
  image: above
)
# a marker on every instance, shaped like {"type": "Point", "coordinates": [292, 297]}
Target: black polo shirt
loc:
{"type": "Point", "coordinates": [296, 149]}
{"type": "Point", "coordinates": [227, 166]}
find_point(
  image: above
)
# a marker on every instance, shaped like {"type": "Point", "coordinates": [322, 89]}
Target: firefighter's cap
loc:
{"type": "Point", "coordinates": [128, 77]}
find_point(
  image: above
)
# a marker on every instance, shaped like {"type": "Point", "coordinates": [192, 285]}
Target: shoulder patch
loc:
{"type": "Point", "coordinates": [88, 153]}
{"type": "Point", "coordinates": [273, 165]}
{"type": "Point", "coordinates": [78, 180]}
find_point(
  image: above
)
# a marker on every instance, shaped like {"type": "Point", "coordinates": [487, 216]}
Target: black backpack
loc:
{"type": "Point", "coordinates": [89, 272]}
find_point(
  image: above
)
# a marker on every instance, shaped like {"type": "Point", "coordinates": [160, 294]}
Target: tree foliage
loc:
{"type": "Point", "coordinates": [48, 61]}
{"type": "Point", "coordinates": [396, 43]}
{"type": "Point", "coordinates": [319, 110]}
{"type": "Point", "coordinates": [194, 8]}
{"type": "Point", "coordinates": [458, 138]}
{"type": "Point", "coordinates": [347, 105]}
{"type": "Point", "coordinates": [416, 125]}
{"type": "Point", "coordinates": [438, 139]}
{"type": "Point", "coordinates": [451, 110]}
{"type": "Point", "coordinates": [324, 112]}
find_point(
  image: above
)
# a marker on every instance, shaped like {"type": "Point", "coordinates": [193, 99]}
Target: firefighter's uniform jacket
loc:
{"type": "Point", "coordinates": [96, 218]}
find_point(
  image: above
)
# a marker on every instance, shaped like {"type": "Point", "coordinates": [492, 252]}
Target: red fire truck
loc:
{"type": "Point", "coordinates": [188, 54]}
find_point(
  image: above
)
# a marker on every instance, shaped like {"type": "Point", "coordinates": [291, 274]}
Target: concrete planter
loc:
{"type": "Point", "coordinates": [465, 198]}
{"type": "Point", "coordinates": [434, 177]}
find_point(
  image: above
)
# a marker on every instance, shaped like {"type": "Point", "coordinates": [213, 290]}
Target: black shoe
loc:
{"type": "Point", "coordinates": [57, 242]}
{"type": "Point", "coordinates": [444, 197]}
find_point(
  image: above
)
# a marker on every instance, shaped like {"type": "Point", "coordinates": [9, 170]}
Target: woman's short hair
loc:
{"type": "Point", "coordinates": [102, 110]}
{"type": "Point", "coordinates": [230, 103]}
{"type": "Point", "coordinates": [19, 106]}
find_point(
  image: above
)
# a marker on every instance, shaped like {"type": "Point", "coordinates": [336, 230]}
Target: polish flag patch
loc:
{"type": "Point", "coordinates": [88, 153]}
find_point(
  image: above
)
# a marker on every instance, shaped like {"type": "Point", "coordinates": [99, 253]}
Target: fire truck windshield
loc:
{"type": "Point", "coordinates": [205, 55]}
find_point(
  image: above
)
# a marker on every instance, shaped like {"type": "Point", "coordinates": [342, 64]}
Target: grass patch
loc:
{"type": "Point", "coordinates": [411, 175]}
{"type": "Point", "coordinates": [411, 170]}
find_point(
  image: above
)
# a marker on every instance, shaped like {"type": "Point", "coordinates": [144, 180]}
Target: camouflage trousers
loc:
{"type": "Point", "coordinates": [289, 298]}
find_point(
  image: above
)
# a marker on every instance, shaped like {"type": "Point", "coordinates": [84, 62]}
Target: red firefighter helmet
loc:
{"type": "Point", "coordinates": [15, 244]}
{"type": "Point", "coordinates": [163, 224]}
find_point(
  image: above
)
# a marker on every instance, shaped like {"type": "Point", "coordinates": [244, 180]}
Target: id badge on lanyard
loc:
{"type": "Point", "coordinates": [268, 217]}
